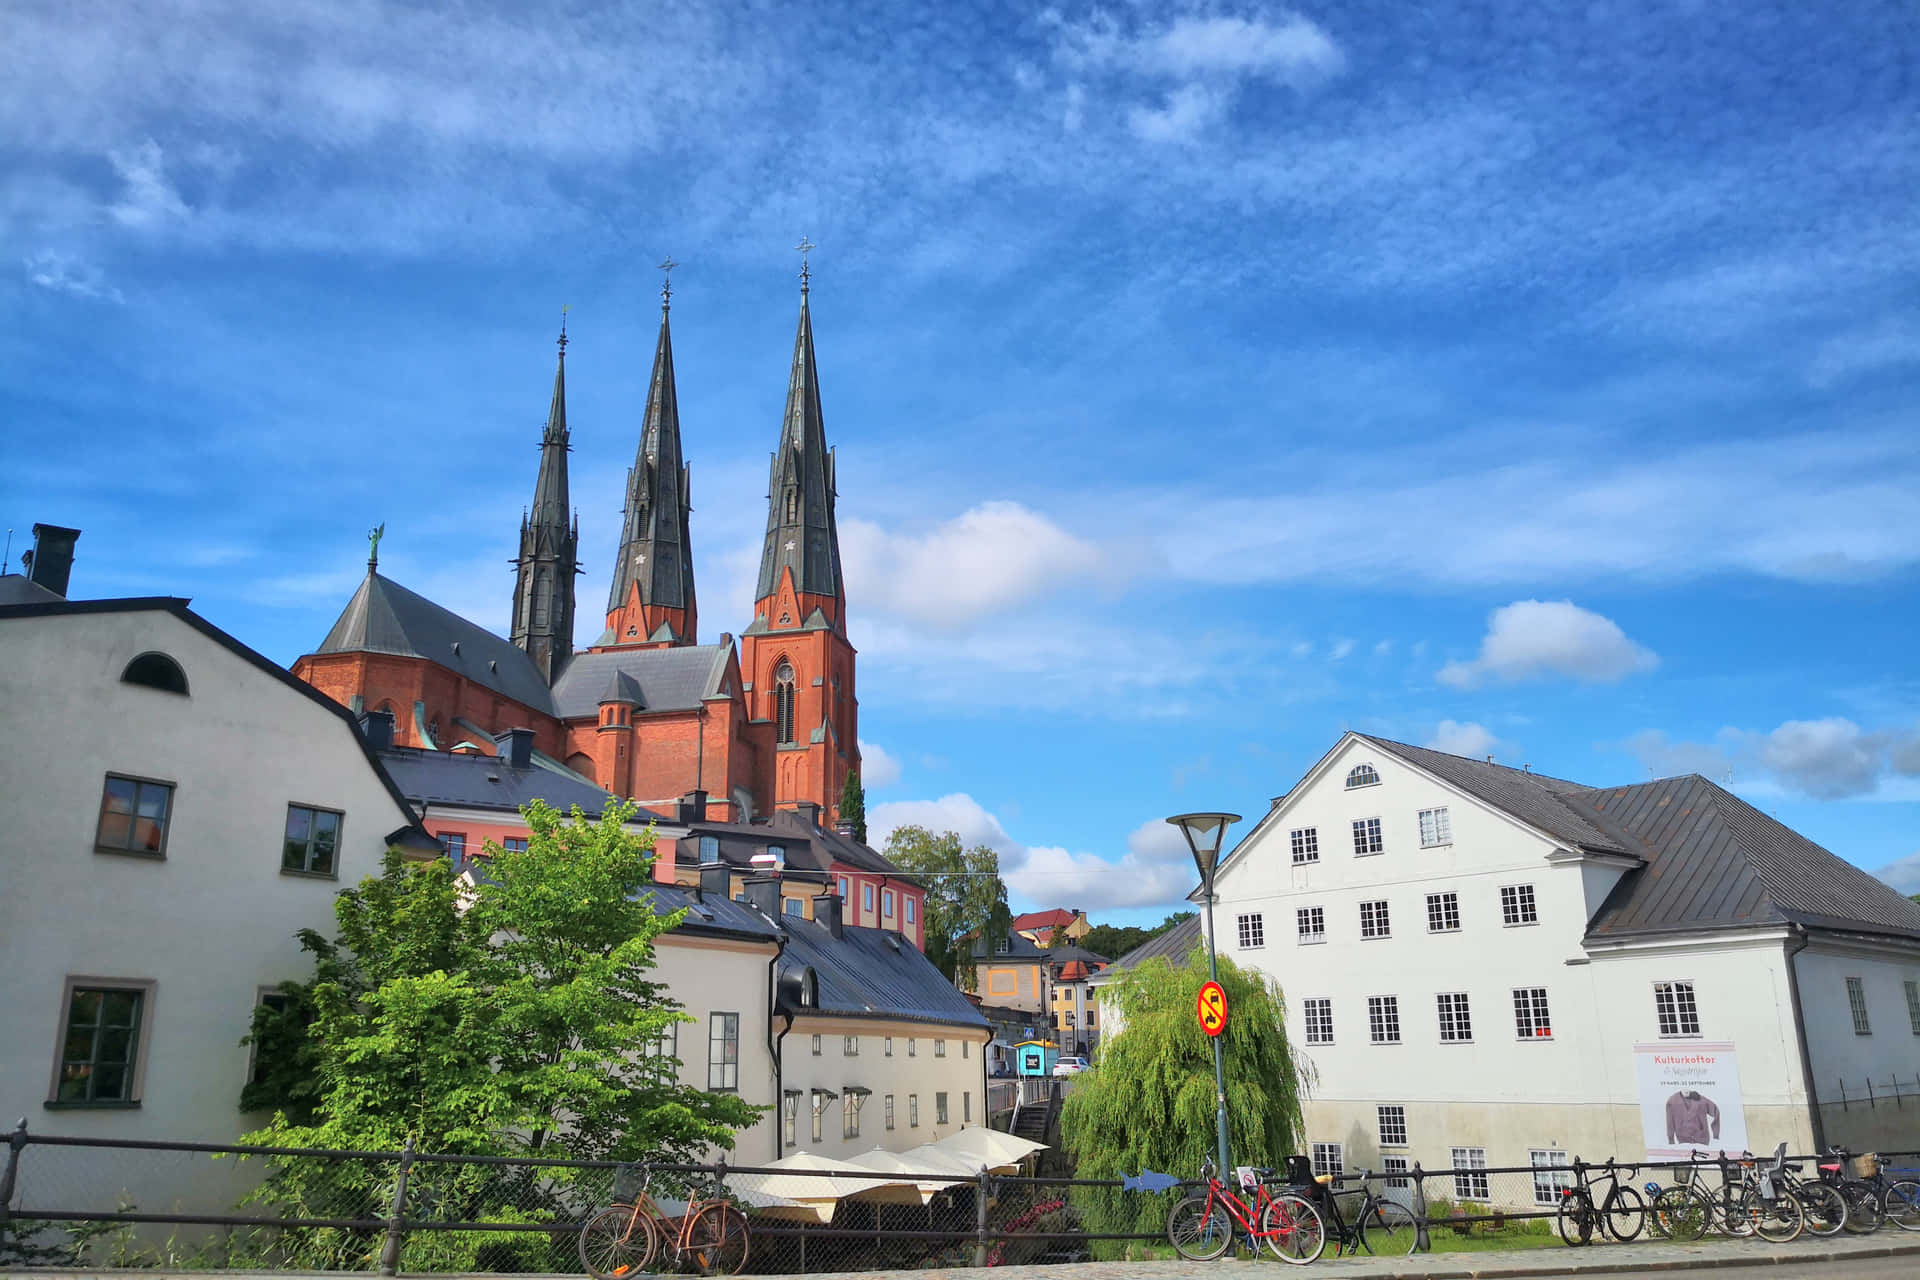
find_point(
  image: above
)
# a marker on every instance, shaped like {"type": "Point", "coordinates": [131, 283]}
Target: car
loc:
{"type": "Point", "coordinates": [1069, 1066]}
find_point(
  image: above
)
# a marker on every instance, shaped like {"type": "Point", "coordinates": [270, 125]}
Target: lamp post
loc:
{"type": "Point", "coordinates": [1205, 833]}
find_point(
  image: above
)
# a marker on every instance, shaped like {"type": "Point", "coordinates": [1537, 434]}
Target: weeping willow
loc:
{"type": "Point", "coordinates": [1148, 1102]}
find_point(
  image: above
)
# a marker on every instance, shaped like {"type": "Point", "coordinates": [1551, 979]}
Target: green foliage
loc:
{"type": "Point", "coordinates": [1114, 941]}
{"type": "Point", "coordinates": [1148, 1102]}
{"type": "Point", "coordinates": [512, 1017]}
{"type": "Point", "coordinates": [965, 895]}
{"type": "Point", "coordinates": [853, 805]}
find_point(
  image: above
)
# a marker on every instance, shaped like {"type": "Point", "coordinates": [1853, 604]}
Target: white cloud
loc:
{"type": "Point", "coordinates": [148, 198]}
{"type": "Point", "coordinates": [878, 768]}
{"type": "Point", "coordinates": [1383, 649]}
{"type": "Point", "coordinates": [1289, 48]}
{"type": "Point", "coordinates": [63, 273]}
{"type": "Point", "coordinates": [957, 812]}
{"type": "Point", "coordinates": [1903, 873]}
{"type": "Point", "coordinates": [1341, 648]}
{"type": "Point", "coordinates": [1182, 115]}
{"type": "Point", "coordinates": [1827, 759]}
{"type": "Point", "coordinates": [1533, 639]}
{"type": "Point", "coordinates": [1463, 739]}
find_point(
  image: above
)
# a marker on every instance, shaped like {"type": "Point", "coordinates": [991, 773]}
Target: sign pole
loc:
{"type": "Point", "coordinates": [1219, 1067]}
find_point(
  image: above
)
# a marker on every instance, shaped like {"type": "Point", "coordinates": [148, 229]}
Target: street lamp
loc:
{"type": "Point", "coordinates": [1205, 833]}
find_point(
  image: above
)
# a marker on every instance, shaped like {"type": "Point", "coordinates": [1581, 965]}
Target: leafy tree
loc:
{"type": "Point", "coordinates": [1148, 1102]}
{"type": "Point", "coordinates": [965, 895]}
{"type": "Point", "coordinates": [1114, 941]}
{"type": "Point", "coordinates": [853, 805]}
{"type": "Point", "coordinates": [510, 1018]}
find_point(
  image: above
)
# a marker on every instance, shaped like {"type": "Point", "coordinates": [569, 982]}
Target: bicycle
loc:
{"type": "Point", "coordinates": [1622, 1213]}
{"type": "Point", "coordinates": [1823, 1207]}
{"type": "Point", "coordinates": [1766, 1209]}
{"type": "Point", "coordinates": [1201, 1227]}
{"type": "Point", "coordinates": [621, 1240]}
{"type": "Point", "coordinates": [1388, 1221]}
{"type": "Point", "coordinates": [1898, 1199]}
{"type": "Point", "coordinates": [1864, 1213]}
{"type": "Point", "coordinates": [1686, 1211]}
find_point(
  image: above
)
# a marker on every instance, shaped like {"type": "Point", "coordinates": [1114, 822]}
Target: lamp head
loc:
{"type": "Point", "coordinates": [1205, 833]}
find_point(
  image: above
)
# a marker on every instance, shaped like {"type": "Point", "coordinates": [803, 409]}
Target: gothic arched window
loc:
{"type": "Point", "coordinates": [783, 704]}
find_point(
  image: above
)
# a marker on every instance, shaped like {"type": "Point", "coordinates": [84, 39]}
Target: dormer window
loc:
{"type": "Point", "coordinates": [1003, 946]}
{"type": "Point", "coordinates": [709, 849]}
{"type": "Point", "coordinates": [1362, 775]}
{"type": "Point", "coordinates": [156, 671]}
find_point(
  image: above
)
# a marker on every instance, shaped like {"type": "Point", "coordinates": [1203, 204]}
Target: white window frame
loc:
{"type": "Point", "coordinates": [1252, 930]}
{"type": "Point", "coordinates": [1669, 992]}
{"type": "Point", "coordinates": [1318, 915]}
{"type": "Point", "coordinates": [913, 1111]}
{"type": "Point", "coordinates": [1375, 920]}
{"type": "Point", "coordinates": [1436, 827]}
{"type": "Point", "coordinates": [1329, 1157]}
{"type": "Point", "coordinates": [1383, 1015]}
{"type": "Point", "coordinates": [816, 1045]}
{"type": "Point", "coordinates": [1857, 1005]}
{"type": "Point", "coordinates": [790, 1119]}
{"type": "Point", "coordinates": [1396, 1168]}
{"type": "Point", "coordinates": [1529, 1017]}
{"type": "Point", "coordinates": [1368, 841]}
{"type": "Point", "coordinates": [1318, 1030]}
{"type": "Point", "coordinates": [1362, 775]}
{"type": "Point", "coordinates": [1519, 906]}
{"type": "Point", "coordinates": [889, 1112]}
{"type": "Point", "coordinates": [1552, 1174]}
{"type": "Point", "coordinates": [1306, 845]}
{"type": "Point", "coordinates": [1455, 1013]}
{"type": "Point", "coordinates": [850, 1046]}
{"type": "Point", "coordinates": [1448, 902]}
{"type": "Point", "coordinates": [850, 1104]}
{"type": "Point", "coordinates": [939, 1048]}
{"type": "Point", "coordinates": [1470, 1175]}
{"type": "Point", "coordinates": [1391, 1120]}
{"type": "Point", "coordinates": [723, 1029]}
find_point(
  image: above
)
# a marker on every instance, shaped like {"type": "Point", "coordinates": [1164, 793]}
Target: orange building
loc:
{"type": "Point", "coordinates": [647, 711]}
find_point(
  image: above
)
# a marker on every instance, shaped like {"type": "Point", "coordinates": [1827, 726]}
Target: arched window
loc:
{"type": "Point", "coordinates": [1361, 775]}
{"type": "Point", "coordinates": [783, 704]}
{"type": "Point", "coordinates": [156, 671]}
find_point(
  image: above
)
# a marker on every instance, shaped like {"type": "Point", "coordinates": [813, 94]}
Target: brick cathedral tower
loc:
{"type": "Point", "coordinates": [549, 539]}
{"type": "Point", "coordinates": [652, 600]}
{"type": "Point", "coordinates": [795, 657]}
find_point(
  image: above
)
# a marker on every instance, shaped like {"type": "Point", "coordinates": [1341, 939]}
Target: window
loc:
{"type": "Point", "coordinates": [1517, 906]}
{"type": "Point", "coordinates": [1393, 1126]}
{"type": "Point", "coordinates": [454, 845]}
{"type": "Point", "coordinates": [723, 1052]}
{"type": "Point", "coordinates": [909, 906]}
{"type": "Point", "coordinates": [663, 1052]}
{"type": "Point", "coordinates": [1312, 923]}
{"type": "Point", "coordinates": [1530, 1020]}
{"type": "Point", "coordinates": [514, 844]}
{"type": "Point", "coordinates": [1327, 1159]}
{"type": "Point", "coordinates": [134, 816]}
{"type": "Point", "coordinates": [1253, 931]}
{"type": "Point", "coordinates": [850, 1114]}
{"type": "Point", "coordinates": [1366, 836]}
{"type": "Point", "coordinates": [850, 1047]}
{"type": "Point", "coordinates": [889, 1112]}
{"type": "Point", "coordinates": [913, 1047]}
{"type": "Point", "coordinates": [1319, 1016]}
{"type": "Point", "coordinates": [866, 897]}
{"type": "Point", "coordinates": [709, 848]}
{"type": "Point", "coordinates": [1456, 1018]}
{"type": "Point", "coordinates": [1443, 913]}
{"type": "Point", "coordinates": [843, 888]}
{"type": "Point", "coordinates": [966, 1107]}
{"type": "Point", "coordinates": [886, 1047]}
{"type": "Point", "coordinates": [939, 1048]}
{"type": "Point", "coordinates": [940, 1108]}
{"type": "Point", "coordinates": [100, 1046]}
{"type": "Point", "coordinates": [313, 841]}
{"type": "Point", "coordinates": [1674, 1008]}
{"type": "Point", "coordinates": [1549, 1174]}
{"type": "Point", "coordinates": [913, 1111]}
{"type": "Point", "coordinates": [816, 1046]}
{"type": "Point", "coordinates": [1306, 845]}
{"type": "Point", "coordinates": [820, 1099]}
{"type": "Point", "coordinates": [1362, 775]}
{"type": "Point", "coordinates": [1436, 827]}
{"type": "Point", "coordinates": [1470, 1173]}
{"type": "Point", "coordinates": [156, 671]}
{"type": "Point", "coordinates": [1373, 920]}
{"type": "Point", "coordinates": [1913, 1005]}
{"type": "Point", "coordinates": [1392, 1166]}
{"type": "Point", "coordinates": [783, 704]}
{"type": "Point", "coordinates": [1857, 1001]}
{"type": "Point", "coordinates": [966, 1048]}
{"type": "Point", "coordinates": [886, 903]}
{"type": "Point", "coordinates": [790, 1119]}
{"type": "Point", "coordinates": [1069, 1017]}
{"type": "Point", "coordinates": [1383, 1019]}
{"type": "Point", "coordinates": [792, 907]}
{"type": "Point", "coordinates": [1003, 946]}
{"type": "Point", "coordinates": [276, 1001]}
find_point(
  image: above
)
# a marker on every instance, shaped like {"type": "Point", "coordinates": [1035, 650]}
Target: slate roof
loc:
{"type": "Point", "coordinates": [1174, 944]}
{"type": "Point", "coordinates": [1020, 948]}
{"type": "Point", "coordinates": [1534, 798]}
{"type": "Point", "coordinates": [805, 538]}
{"type": "Point", "coordinates": [1042, 919]}
{"type": "Point", "coordinates": [809, 849]}
{"type": "Point", "coordinates": [385, 617]}
{"type": "Point", "coordinates": [489, 782]}
{"type": "Point", "coordinates": [676, 679]}
{"type": "Point", "coordinates": [18, 589]}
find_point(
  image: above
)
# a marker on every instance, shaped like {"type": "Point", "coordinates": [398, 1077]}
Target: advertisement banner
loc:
{"type": "Point", "coordinates": [1690, 1099]}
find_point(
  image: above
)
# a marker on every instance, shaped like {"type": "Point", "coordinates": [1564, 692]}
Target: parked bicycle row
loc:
{"type": "Point", "coordinates": [1296, 1214]}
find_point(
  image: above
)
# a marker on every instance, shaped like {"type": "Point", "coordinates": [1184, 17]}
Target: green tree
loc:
{"type": "Point", "coordinates": [853, 805]}
{"type": "Point", "coordinates": [965, 895]}
{"type": "Point", "coordinates": [512, 1018]}
{"type": "Point", "coordinates": [1114, 941]}
{"type": "Point", "coordinates": [1148, 1102]}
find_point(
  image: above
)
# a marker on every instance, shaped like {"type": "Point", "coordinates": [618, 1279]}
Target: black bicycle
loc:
{"type": "Point", "coordinates": [1380, 1226]}
{"type": "Point", "coordinates": [1622, 1212]}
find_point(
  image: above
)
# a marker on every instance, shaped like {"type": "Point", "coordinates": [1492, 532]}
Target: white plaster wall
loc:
{"type": "Point", "coordinates": [708, 976]}
{"type": "Point", "coordinates": [211, 923]}
{"type": "Point", "coordinates": [1838, 1051]}
{"type": "Point", "coordinates": [960, 1074]}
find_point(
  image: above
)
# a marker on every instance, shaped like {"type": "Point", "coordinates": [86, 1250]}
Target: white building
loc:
{"type": "Point", "coordinates": [1490, 966]}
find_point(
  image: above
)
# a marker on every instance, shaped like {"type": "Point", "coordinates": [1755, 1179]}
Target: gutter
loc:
{"type": "Point", "coordinates": [776, 1044]}
{"type": "Point", "coordinates": [1801, 942]}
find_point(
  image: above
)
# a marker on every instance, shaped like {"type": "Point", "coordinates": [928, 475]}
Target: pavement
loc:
{"type": "Point", "coordinates": [1877, 1257]}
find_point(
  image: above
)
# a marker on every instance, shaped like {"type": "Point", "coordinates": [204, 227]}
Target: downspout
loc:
{"type": "Point", "coordinates": [776, 1044]}
{"type": "Point", "coordinates": [1800, 1036]}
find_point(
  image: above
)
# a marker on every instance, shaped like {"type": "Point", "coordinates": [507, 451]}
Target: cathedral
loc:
{"type": "Point", "coordinates": [648, 712]}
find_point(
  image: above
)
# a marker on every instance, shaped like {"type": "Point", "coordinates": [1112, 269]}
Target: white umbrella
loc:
{"type": "Point", "coordinates": [798, 1182]}
{"type": "Point", "coordinates": [917, 1164]}
{"type": "Point", "coordinates": [989, 1147]}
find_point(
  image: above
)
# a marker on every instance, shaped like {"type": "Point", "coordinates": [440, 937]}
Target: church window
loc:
{"type": "Point", "coordinates": [156, 671]}
{"type": "Point", "coordinates": [783, 704]}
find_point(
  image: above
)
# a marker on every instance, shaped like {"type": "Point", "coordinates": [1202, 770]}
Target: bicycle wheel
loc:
{"type": "Point", "coordinates": [1824, 1208]}
{"type": "Point", "coordinates": [1293, 1229]}
{"type": "Point", "coordinates": [717, 1239]}
{"type": "Point", "coordinates": [1625, 1214]}
{"type": "Point", "coordinates": [1864, 1215]}
{"type": "Point", "coordinates": [1575, 1218]}
{"type": "Point", "coordinates": [1389, 1228]}
{"type": "Point", "coordinates": [1681, 1213]}
{"type": "Point", "coordinates": [1901, 1204]}
{"type": "Point", "coordinates": [1776, 1221]}
{"type": "Point", "coordinates": [1199, 1229]}
{"type": "Point", "coordinates": [616, 1242]}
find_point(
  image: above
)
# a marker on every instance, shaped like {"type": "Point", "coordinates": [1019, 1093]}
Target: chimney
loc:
{"type": "Point", "coordinates": [693, 806]}
{"type": "Point", "coordinates": [809, 812]}
{"type": "Point", "coordinates": [826, 911]}
{"type": "Point", "coordinates": [377, 728]}
{"type": "Point", "coordinates": [763, 895]}
{"type": "Point", "coordinates": [50, 563]}
{"type": "Point", "coordinates": [716, 878]}
{"type": "Point", "coordinates": [515, 746]}
{"type": "Point", "coordinates": [843, 828]}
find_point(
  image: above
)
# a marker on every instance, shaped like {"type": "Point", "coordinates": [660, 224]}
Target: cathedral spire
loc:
{"type": "Point", "coordinates": [802, 537]}
{"type": "Point", "coordinates": [652, 597]}
{"type": "Point", "coordinates": [549, 538]}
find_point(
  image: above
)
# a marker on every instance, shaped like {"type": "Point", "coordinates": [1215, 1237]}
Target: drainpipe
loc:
{"type": "Point", "coordinates": [776, 1044]}
{"type": "Point", "coordinates": [1800, 943]}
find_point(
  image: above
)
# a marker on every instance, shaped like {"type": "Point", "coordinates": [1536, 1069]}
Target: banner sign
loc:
{"type": "Point", "coordinates": [1690, 1099]}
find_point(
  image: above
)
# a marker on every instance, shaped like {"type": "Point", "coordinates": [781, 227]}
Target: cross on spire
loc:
{"type": "Point", "coordinates": [564, 307]}
{"type": "Point", "coordinates": [804, 248]}
{"type": "Point", "coordinates": [666, 284]}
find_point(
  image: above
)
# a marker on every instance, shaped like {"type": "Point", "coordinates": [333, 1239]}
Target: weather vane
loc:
{"type": "Point", "coordinates": [666, 286]}
{"type": "Point", "coordinates": [804, 248]}
{"type": "Point", "coordinates": [374, 535]}
{"type": "Point", "coordinates": [564, 308]}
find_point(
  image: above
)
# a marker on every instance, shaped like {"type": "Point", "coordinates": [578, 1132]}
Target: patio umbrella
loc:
{"type": "Point", "coordinates": [916, 1164]}
{"type": "Point", "coordinates": [798, 1182]}
{"type": "Point", "coordinates": [991, 1148]}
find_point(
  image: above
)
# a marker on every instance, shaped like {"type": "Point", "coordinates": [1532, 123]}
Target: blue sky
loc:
{"type": "Point", "coordinates": [1530, 380]}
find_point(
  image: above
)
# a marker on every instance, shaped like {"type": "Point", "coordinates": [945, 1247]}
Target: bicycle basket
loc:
{"type": "Point", "coordinates": [1683, 1175]}
{"type": "Point", "coordinates": [1868, 1165]}
{"type": "Point", "coordinates": [629, 1180]}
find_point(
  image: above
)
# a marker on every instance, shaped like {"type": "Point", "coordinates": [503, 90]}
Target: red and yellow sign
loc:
{"type": "Point", "coordinates": [1212, 1008]}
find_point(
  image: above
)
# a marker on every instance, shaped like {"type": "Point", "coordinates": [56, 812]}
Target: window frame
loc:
{"type": "Point", "coordinates": [1913, 1004]}
{"type": "Point", "coordinates": [940, 1112]}
{"type": "Point", "coordinates": [817, 1102]}
{"type": "Point", "coordinates": [1329, 1157]}
{"type": "Point", "coordinates": [166, 825]}
{"type": "Point", "coordinates": [144, 990]}
{"type": "Point", "coordinates": [790, 1118]}
{"type": "Point", "coordinates": [1671, 989]}
{"type": "Point", "coordinates": [913, 1111]}
{"type": "Point", "coordinates": [1448, 902]}
{"type": "Point", "coordinates": [1454, 1011]}
{"type": "Point", "coordinates": [889, 1100]}
{"type": "Point", "coordinates": [1398, 1125]}
{"type": "Point", "coordinates": [1362, 775]}
{"type": "Point", "coordinates": [850, 1104]}
{"type": "Point", "coordinates": [818, 1041]}
{"type": "Point", "coordinates": [1369, 838]}
{"type": "Point", "coordinates": [1376, 920]}
{"type": "Point", "coordinates": [339, 841]}
{"type": "Point", "coordinates": [1251, 929]}
{"type": "Point", "coordinates": [1383, 1015]}
{"type": "Point", "coordinates": [1558, 1168]}
{"type": "Point", "coordinates": [1536, 1014]}
{"type": "Point", "coordinates": [720, 1021]}
{"type": "Point", "coordinates": [454, 845]}
{"type": "Point", "coordinates": [939, 1048]}
{"type": "Point", "coordinates": [1309, 1025]}
{"type": "Point", "coordinates": [906, 906]}
{"type": "Point", "coordinates": [1442, 826]}
{"type": "Point", "coordinates": [1317, 936]}
{"type": "Point", "coordinates": [866, 897]}
{"type": "Point", "coordinates": [1857, 1005]}
{"type": "Point", "coordinates": [1305, 842]}
{"type": "Point", "coordinates": [1394, 1169]}
{"type": "Point", "coordinates": [1473, 1169]}
{"type": "Point", "coordinates": [849, 1046]}
{"type": "Point", "coordinates": [126, 674]}
{"type": "Point", "coordinates": [887, 897]}
{"type": "Point", "coordinates": [1523, 911]}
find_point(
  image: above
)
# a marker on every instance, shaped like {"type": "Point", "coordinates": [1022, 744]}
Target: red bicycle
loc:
{"type": "Point", "coordinates": [1201, 1227]}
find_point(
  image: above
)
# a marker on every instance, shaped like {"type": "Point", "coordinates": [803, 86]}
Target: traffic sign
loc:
{"type": "Point", "coordinates": [1212, 1008]}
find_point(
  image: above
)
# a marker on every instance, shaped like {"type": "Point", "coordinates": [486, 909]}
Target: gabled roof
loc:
{"type": "Point", "coordinates": [1535, 798]}
{"type": "Point", "coordinates": [676, 679]}
{"type": "Point", "coordinates": [809, 848]}
{"type": "Point", "coordinates": [1042, 919]}
{"type": "Point", "coordinates": [18, 589]}
{"type": "Point", "coordinates": [385, 617]}
{"type": "Point", "coordinates": [1020, 949]}
{"type": "Point", "coordinates": [875, 973]}
{"type": "Point", "coordinates": [1175, 944]}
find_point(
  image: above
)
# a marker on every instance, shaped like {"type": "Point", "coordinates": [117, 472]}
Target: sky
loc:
{"type": "Point", "coordinates": [1535, 381]}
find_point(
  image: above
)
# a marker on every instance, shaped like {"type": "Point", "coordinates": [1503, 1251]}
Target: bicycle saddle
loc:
{"type": "Point", "coordinates": [1830, 1168]}
{"type": "Point", "coordinates": [1323, 1178]}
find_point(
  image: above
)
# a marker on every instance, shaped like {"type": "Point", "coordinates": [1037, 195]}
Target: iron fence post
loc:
{"type": "Point", "coordinates": [1419, 1175]}
{"type": "Point", "coordinates": [396, 1232]}
{"type": "Point", "coordinates": [16, 1143]}
{"type": "Point", "coordinates": [980, 1221]}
